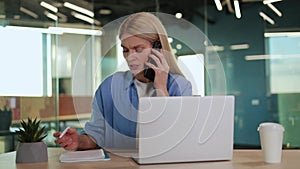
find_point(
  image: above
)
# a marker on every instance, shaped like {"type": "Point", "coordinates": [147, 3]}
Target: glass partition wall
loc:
{"type": "Point", "coordinates": [52, 61]}
{"type": "Point", "coordinates": [49, 66]}
{"type": "Point", "coordinates": [259, 51]}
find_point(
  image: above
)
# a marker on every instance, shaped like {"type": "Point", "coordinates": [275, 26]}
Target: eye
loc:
{"type": "Point", "coordinates": [139, 50]}
{"type": "Point", "coordinates": [125, 50]}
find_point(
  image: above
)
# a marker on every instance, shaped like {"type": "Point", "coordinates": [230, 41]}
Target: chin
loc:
{"type": "Point", "coordinates": [135, 72]}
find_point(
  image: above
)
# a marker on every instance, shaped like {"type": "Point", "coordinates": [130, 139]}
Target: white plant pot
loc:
{"type": "Point", "coordinates": [31, 152]}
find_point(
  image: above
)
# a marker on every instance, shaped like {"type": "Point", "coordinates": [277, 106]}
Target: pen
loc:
{"type": "Point", "coordinates": [64, 132]}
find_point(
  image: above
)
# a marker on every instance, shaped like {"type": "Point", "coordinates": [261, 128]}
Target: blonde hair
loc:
{"type": "Point", "coordinates": [147, 26]}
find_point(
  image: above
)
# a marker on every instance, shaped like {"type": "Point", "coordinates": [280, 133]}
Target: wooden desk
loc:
{"type": "Point", "coordinates": [242, 159]}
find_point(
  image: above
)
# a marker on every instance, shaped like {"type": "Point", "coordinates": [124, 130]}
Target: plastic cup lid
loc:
{"type": "Point", "coordinates": [270, 126]}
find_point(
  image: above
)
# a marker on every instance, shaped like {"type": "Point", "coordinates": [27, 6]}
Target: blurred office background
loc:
{"type": "Point", "coordinates": [53, 57]}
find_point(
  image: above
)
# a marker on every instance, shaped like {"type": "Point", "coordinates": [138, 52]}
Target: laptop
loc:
{"type": "Point", "coordinates": [185, 129]}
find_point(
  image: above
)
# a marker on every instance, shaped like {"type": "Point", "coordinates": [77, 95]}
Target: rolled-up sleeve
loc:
{"type": "Point", "coordinates": [96, 126]}
{"type": "Point", "coordinates": [179, 86]}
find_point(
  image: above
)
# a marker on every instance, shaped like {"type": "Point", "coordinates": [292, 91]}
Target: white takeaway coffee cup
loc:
{"type": "Point", "coordinates": [271, 136]}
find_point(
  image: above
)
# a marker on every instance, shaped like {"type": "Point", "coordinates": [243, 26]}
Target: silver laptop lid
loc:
{"type": "Point", "coordinates": [181, 129]}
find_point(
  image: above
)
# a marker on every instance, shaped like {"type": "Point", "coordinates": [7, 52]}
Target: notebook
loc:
{"type": "Point", "coordinates": [185, 129]}
{"type": "Point", "coordinates": [84, 156]}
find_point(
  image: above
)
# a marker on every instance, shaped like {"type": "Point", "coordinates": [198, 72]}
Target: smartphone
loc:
{"type": "Point", "coordinates": [149, 72]}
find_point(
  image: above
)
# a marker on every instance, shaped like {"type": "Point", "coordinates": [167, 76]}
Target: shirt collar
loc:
{"type": "Point", "coordinates": [129, 79]}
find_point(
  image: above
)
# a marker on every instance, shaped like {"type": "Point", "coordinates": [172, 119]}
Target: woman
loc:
{"type": "Point", "coordinates": [114, 108]}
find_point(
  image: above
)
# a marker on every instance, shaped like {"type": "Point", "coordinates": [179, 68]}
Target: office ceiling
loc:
{"type": "Point", "coordinates": [14, 11]}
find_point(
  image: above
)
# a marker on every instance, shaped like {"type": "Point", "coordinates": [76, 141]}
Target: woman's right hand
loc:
{"type": "Point", "coordinates": [70, 141]}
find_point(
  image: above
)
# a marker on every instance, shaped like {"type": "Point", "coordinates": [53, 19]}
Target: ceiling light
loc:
{"type": "Point", "coordinates": [263, 57]}
{"type": "Point", "coordinates": [96, 22]}
{"type": "Point", "coordinates": [85, 18]}
{"type": "Point", "coordinates": [28, 12]}
{"type": "Point", "coordinates": [105, 11]}
{"type": "Point", "coordinates": [218, 5]}
{"type": "Point", "coordinates": [270, 1]}
{"type": "Point", "coordinates": [267, 18]}
{"type": "Point", "coordinates": [274, 9]}
{"type": "Point", "coordinates": [229, 6]}
{"type": "Point", "coordinates": [79, 9]}
{"type": "Point", "coordinates": [214, 48]}
{"type": "Point", "coordinates": [48, 6]}
{"type": "Point", "coordinates": [237, 9]}
{"type": "Point", "coordinates": [51, 16]}
{"type": "Point", "coordinates": [17, 16]}
{"type": "Point", "coordinates": [179, 46]}
{"type": "Point", "coordinates": [257, 57]}
{"type": "Point", "coordinates": [178, 15]}
{"type": "Point", "coordinates": [239, 46]}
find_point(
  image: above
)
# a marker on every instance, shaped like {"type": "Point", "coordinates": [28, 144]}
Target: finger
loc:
{"type": "Point", "coordinates": [72, 146]}
{"type": "Point", "coordinates": [156, 52]}
{"type": "Point", "coordinates": [63, 144]}
{"type": "Point", "coordinates": [72, 131]}
{"type": "Point", "coordinates": [56, 142]}
{"type": "Point", "coordinates": [163, 59]}
{"type": "Point", "coordinates": [156, 60]}
{"type": "Point", "coordinates": [57, 134]}
{"type": "Point", "coordinates": [63, 140]}
{"type": "Point", "coordinates": [159, 54]}
{"type": "Point", "coordinates": [69, 133]}
{"type": "Point", "coordinates": [59, 141]}
{"type": "Point", "coordinates": [151, 65]}
{"type": "Point", "coordinates": [159, 66]}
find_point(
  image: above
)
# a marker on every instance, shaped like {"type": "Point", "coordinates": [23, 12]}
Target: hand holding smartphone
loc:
{"type": "Point", "coordinates": [149, 72]}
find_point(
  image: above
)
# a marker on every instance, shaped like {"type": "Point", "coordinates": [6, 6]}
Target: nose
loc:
{"type": "Point", "coordinates": [130, 58]}
{"type": "Point", "coordinates": [131, 52]}
{"type": "Point", "coordinates": [130, 55]}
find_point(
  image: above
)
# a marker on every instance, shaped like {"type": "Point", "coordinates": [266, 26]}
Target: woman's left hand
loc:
{"type": "Point", "coordinates": [161, 72]}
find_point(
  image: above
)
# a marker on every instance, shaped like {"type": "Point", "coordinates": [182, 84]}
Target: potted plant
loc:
{"type": "Point", "coordinates": [31, 148]}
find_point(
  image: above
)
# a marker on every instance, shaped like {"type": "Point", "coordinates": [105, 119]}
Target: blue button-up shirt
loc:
{"type": "Point", "coordinates": [114, 108]}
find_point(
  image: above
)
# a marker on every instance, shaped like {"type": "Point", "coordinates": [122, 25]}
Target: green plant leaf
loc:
{"type": "Point", "coordinates": [31, 132]}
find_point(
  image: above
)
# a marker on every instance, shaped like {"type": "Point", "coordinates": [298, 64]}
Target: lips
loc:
{"type": "Point", "coordinates": [134, 67]}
